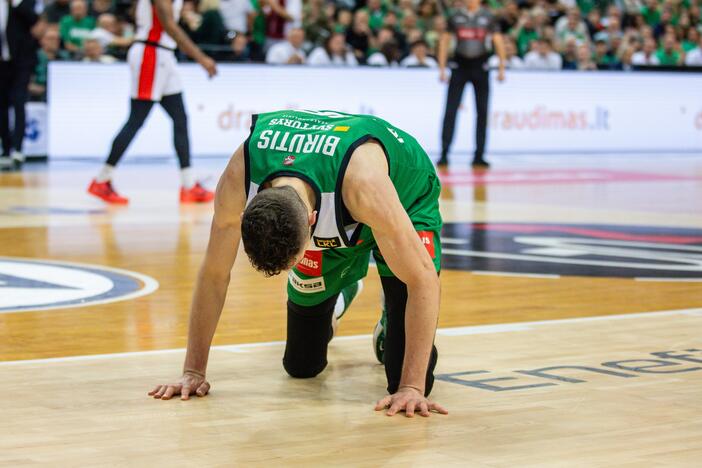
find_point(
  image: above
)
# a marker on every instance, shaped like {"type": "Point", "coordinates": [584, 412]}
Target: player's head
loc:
{"type": "Point", "coordinates": [275, 229]}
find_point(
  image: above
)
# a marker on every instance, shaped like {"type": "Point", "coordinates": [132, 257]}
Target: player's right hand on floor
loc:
{"type": "Point", "coordinates": [189, 384]}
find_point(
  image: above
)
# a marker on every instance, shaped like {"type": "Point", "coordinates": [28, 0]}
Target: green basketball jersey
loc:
{"type": "Point", "coordinates": [316, 146]}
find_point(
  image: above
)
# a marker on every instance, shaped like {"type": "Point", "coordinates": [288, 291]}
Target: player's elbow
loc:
{"type": "Point", "coordinates": [425, 279]}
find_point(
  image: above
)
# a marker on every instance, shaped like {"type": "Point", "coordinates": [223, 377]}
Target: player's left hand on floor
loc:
{"type": "Point", "coordinates": [189, 384]}
{"type": "Point", "coordinates": [410, 401]}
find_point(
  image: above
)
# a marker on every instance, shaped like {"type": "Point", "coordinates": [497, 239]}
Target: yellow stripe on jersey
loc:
{"type": "Point", "coordinates": [340, 128]}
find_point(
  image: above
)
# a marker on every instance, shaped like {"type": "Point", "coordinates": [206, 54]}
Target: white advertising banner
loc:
{"type": "Point", "coordinates": [35, 130]}
{"type": "Point", "coordinates": [531, 112]}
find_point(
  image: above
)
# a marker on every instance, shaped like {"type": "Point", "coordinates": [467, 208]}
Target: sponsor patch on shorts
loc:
{"type": "Point", "coordinates": [306, 286]}
{"type": "Point", "coordinates": [311, 263]}
{"type": "Point", "coordinates": [427, 238]}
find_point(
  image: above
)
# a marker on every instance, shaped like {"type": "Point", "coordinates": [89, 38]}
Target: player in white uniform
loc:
{"type": "Point", "coordinates": [154, 76]}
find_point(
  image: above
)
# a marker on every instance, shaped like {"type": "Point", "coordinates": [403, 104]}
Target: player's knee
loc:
{"type": "Point", "coordinates": [300, 369]}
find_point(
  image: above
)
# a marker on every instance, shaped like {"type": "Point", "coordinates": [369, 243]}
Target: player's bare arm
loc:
{"type": "Point", "coordinates": [372, 199]}
{"type": "Point", "coordinates": [212, 282]}
{"type": "Point", "coordinates": [442, 54]}
{"type": "Point", "coordinates": [164, 11]}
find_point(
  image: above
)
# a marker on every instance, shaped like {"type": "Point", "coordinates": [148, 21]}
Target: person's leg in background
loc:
{"type": "Point", "coordinates": [19, 93]}
{"type": "Point", "coordinates": [171, 91]}
{"type": "Point", "coordinates": [190, 190]}
{"type": "Point", "coordinates": [457, 83]}
{"type": "Point", "coordinates": [481, 84]}
{"type": "Point", "coordinates": [102, 184]}
{"type": "Point", "coordinates": [5, 81]}
{"type": "Point", "coordinates": [147, 76]}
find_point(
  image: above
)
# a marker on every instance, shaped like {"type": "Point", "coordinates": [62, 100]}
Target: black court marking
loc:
{"type": "Point", "coordinates": [656, 363]}
{"type": "Point", "coordinates": [643, 252]}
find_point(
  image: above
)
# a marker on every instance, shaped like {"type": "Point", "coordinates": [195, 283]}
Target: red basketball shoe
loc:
{"type": "Point", "coordinates": [196, 194]}
{"type": "Point", "coordinates": [105, 191]}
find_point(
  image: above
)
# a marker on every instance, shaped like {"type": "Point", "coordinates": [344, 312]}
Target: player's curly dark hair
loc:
{"type": "Point", "coordinates": [274, 229]}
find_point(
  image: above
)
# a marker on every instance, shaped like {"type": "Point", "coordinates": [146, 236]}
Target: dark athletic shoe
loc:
{"type": "Point", "coordinates": [480, 164]}
{"type": "Point", "coordinates": [379, 337]}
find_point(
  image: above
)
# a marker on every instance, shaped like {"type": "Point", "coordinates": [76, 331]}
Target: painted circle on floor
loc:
{"type": "Point", "coordinates": [642, 252]}
{"type": "Point", "coordinates": [28, 285]}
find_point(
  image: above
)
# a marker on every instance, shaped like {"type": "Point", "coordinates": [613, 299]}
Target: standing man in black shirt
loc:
{"type": "Point", "coordinates": [18, 54]}
{"type": "Point", "coordinates": [473, 27]}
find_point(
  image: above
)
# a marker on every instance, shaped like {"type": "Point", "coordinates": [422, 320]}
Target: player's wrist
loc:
{"type": "Point", "coordinates": [416, 388]}
{"type": "Point", "coordinates": [194, 372]}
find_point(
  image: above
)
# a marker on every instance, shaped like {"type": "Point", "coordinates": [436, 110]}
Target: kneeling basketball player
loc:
{"type": "Point", "coordinates": [317, 193]}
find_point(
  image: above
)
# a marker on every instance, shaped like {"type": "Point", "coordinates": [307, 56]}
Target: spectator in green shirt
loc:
{"type": "Point", "coordinates": [668, 54]}
{"type": "Point", "coordinates": [258, 30]}
{"type": "Point", "coordinates": [74, 28]}
{"type": "Point", "coordinates": [651, 13]}
{"type": "Point", "coordinates": [50, 50]}
{"type": "Point", "coordinates": [426, 14]}
{"type": "Point", "coordinates": [691, 39]}
{"type": "Point", "coordinates": [376, 14]}
{"type": "Point", "coordinates": [524, 33]}
{"type": "Point", "coordinates": [603, 57]}
{"type": "Point", "coordinates": [344, 18]}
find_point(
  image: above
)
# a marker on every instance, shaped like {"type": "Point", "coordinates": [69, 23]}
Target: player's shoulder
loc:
{"type": "Point", "coordinates": [367, 166]}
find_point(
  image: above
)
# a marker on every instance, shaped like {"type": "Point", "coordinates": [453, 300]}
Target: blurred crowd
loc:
{"type": "Point", "coordinates": [539, 34]}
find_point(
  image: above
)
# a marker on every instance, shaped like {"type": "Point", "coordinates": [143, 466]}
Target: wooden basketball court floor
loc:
{"type": "Point", "coordinates": [570, 329]}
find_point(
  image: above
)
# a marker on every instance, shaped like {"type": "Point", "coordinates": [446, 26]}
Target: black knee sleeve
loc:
{"type": "Point", "coordinates": [309, 333]}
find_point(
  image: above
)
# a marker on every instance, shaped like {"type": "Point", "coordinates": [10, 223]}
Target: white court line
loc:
{"type": "Point", "coordinates": [509, 273]}
{"type": "Point", "coordinates": [671, 280]}
{"type": "Point", "coordinates": [455, 331]}
{"type": "Point", "coordinates": [150, 284]}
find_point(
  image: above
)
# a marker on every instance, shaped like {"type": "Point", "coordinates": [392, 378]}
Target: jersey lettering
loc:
{"type": "Point", "coordinates": [327, 242]}
{"type": "Point", "coordinates": [298, 143]}
{"type": "Point", "coordinates": [300, 125]}
{"type": "Point", "coordinates": [311, 285]}
{"type": "Point", "coordinates": [468, 34]}
{"type": "Point", "coordinates": [311, 263]}
{"type": "Point", "coordinates": [427, 238]}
